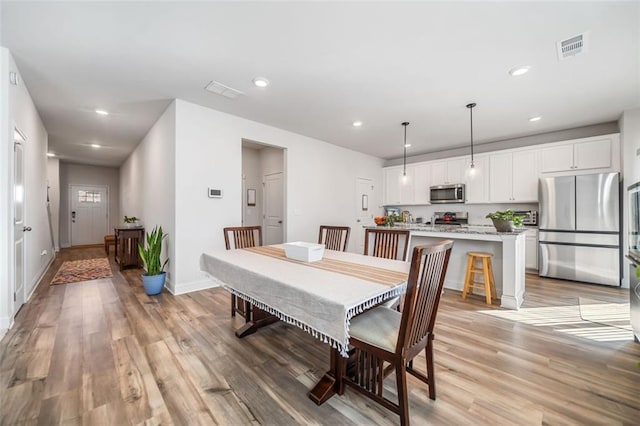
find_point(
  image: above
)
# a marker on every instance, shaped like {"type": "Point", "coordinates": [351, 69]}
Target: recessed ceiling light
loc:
{"type": "Point", "coordinates": [95, 145]}
{"type": "Point", "coordinates": [356, 123]}
{"type": "Point", "coordinates": [102, 112]}
{"type": "Point", "coordinates": [50, 154]}
{"type": "Point", "coordinates": [407, 145]}
{"type": "Point", "coordinates": [518, 71]}
{"type": "Point", "coordinates": [260, 82]}
{"type": "Point", "coordinates": [536, 118]}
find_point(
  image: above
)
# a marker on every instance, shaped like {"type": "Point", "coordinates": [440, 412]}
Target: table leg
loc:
{"type": "Point", "coordinates": [255, 319]}
{"type": "Point", "coordinates": [331, 382]}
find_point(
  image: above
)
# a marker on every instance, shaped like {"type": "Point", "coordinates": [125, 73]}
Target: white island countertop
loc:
{"type": "Point", "coordinates": [508, 249]}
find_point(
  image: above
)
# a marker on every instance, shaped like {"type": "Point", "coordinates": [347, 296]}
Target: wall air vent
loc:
{"type": "Point", "coordinates": [572, 46]}
{"type": "Point", "coordinates": [222, 90]}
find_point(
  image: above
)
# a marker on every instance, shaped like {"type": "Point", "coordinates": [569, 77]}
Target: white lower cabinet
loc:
{"type": "Point", "coordinates": [531, 250]}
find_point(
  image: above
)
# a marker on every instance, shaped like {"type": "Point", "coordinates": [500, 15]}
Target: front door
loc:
{"type": "Point", "coordinates": [273, 208]}
{"type": "Point", "coordinates": [89, 207]}
{"type": "Point", "coordinates": [19, 229]}
{"type": "Point", "coordinates": [364, 212]}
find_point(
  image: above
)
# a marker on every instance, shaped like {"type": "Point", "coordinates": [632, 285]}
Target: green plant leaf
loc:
{"type": "Point", "coordinates": [151, 254]}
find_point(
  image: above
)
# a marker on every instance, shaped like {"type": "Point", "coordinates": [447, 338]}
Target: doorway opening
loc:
{"type": "Point", "coordinates": [264, 189]}
{"type": "Point", "coordinates": [89, 214]}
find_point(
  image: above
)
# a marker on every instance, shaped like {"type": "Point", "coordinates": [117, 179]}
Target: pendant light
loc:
{"type": "Point", "coordinates": [404, 157]}
{"type": "Point", "coordinates": [471, 106]}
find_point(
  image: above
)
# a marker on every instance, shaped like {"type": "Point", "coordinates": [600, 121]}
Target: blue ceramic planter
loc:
{"type": "Point", "coordinates": [153, 284]}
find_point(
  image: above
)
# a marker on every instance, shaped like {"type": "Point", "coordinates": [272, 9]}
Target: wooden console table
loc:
{"type": "Point", "coordinates": [127, 240]}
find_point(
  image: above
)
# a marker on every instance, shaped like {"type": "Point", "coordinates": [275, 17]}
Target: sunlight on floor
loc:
{"type": "Point", "coordinates": [602, 322]}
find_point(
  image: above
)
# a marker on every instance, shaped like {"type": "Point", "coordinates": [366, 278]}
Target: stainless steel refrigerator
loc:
{"type": "Point", "coordinates": [580, 228]}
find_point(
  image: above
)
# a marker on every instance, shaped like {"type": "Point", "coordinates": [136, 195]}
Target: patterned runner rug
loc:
{"type": "Point", "coordinates": [82, 270]}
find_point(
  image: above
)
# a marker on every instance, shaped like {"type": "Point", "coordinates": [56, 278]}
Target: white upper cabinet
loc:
{"type": "Point", "coordinates": [397, 189]}
{"type": "Point", "coordinates": [421, 183]}
{"type": "Point", "coordinates": [525, 176]}
{"type": "Point", "coordinates": [593, 154]}
{"type": "Point", "coordinates": [447, 172]}
{"type": "Point", "coordinates": [513, 177]}
{"type": "Point", "coordinates": [411, 189]}
{"type": "Point", "coordinates": [477, 180]}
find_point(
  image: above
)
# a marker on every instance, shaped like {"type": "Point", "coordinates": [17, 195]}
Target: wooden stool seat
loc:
{"type": "Point", "coordinates": [488, 284]}
{"type": "Point", "coordinates": [109, 240]}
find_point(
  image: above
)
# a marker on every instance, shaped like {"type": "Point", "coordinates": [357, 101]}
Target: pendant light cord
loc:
{"type": "Point", "coordinates": [470, 106]}
{"type": "Point", "coordinates": [404, 157]}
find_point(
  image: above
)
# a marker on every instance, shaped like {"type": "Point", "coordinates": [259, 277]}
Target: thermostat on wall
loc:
{"type": "Point", "coordinates": [215, 193]}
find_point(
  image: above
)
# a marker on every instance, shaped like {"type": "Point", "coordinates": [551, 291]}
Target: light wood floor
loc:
{"type": "Point", "coordinates": [102, 352]}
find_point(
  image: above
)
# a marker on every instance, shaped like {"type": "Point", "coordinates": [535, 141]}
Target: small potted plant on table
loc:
{"type": "Point", "coordinates": [131, 222]}
{"type": "Point", "coordinates": [154, 277]}
{"type": "Point", "coordinates": [505, 221]}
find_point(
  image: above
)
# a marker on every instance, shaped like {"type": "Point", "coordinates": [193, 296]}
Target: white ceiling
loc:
{"type": "Point", "coordinates": [328, 63]}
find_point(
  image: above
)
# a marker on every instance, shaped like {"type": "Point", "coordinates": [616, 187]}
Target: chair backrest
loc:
{"type": "Point", "coordinates": [334, 237]}
{"type": "Point", "coordinates": [424, 287]}
{"type": "Point", "coordinates": [242, 237]}
{"type": "Point", "coordinates": [387, 243]}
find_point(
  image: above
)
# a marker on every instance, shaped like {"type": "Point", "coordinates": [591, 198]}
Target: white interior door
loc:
{"type": "Point", "coordinates": [89, 206]}
{"type": "Point", "coordinates": [364, 212]}
{"type": "Point", "coordinates": [273, 208]}
{"type": "Point", "coordinates": [20, 229]}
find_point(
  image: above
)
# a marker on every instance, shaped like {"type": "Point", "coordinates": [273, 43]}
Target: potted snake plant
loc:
{"type": "Point", "coordinates": [154, 277]}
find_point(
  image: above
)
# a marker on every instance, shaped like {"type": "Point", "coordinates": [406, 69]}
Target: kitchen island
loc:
{"type": "Point", "coordinates": [508, 250]}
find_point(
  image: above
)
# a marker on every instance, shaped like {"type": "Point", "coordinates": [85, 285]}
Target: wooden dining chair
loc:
{"type": "Point", "coordinates": [237, 238]}
{"type": "Point", "coordinates": [383, 335]}
{"type": "Point", "coordinates": [334, 237]}
{"type": "Point", "coordinates": [387, 243]}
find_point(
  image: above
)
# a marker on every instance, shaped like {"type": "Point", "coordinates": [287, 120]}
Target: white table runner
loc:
{"type": "Point", "coordinates": [321, 302]}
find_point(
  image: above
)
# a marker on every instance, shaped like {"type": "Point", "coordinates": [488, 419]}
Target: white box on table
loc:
{"type": "Point", "coordinates": [304, 252]}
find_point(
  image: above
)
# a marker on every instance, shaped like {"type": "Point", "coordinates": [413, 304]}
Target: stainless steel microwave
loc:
{"type": "Point", "coordinates": [444, 194]}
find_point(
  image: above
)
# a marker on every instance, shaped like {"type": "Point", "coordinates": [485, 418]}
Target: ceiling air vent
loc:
{"type": "Point", "coordinates": [222, 90]}
{"type": "Point", "coordinates": [572, 46]}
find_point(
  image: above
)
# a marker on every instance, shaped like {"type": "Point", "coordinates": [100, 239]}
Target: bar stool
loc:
{"type": "Point", "coordinates": [470, 283]}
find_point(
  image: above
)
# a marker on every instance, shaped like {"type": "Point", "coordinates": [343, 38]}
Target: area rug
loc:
{"type": "Point", "coordinates": [82, 270]}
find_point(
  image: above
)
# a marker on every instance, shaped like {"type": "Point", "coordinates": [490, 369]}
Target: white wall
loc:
{"type": "Point", "coordinates": [80, 174]}
{"type": "Point", "coordinates": [320, 183]}
{"type": "Point", "coordinates": [19, 111]}
{"type": "Point", "coordinates": [630, 141]}
{"type": "Point", "coordinates": [53, 178]}
{"type": "Point", "coordinates": [147, 183]}
{"type": "Point", "coordinates": [252, 173]}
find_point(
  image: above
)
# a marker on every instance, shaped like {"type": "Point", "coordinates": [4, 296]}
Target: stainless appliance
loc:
{"type": "Point", "coordinates": [443, 194]}
{"type": "Point", "coordinates": [634, 257]}
{"type": "Point", "coordinates": [530, 217]}
{"type": "Point", "coordinates": [451, 218]}
{"type": "Point", "coordinates": [580, 228]}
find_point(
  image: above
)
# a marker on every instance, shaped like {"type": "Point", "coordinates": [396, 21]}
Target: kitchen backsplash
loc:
{"type": "Point", "coordinates": [477, 212]}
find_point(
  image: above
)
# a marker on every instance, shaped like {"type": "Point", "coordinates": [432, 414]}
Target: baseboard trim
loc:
{"type": "Point", "coordinates": [192, 286]}
{"type": "Point", "coordinates": [39, 275]}
{"type": "Point", "coordinates": [5, 325]}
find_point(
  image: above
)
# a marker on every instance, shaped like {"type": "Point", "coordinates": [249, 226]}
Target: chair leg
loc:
{"type": "Point", "coordinates": [494, 293]}
{"type": "Point", "coordinates": [233, 305]}
{"type": "Point", "coordinates": [487, 279]}
{"type": "Point", "coordinates": [403, 397]}
{"type": "Point", "coordinates": [467, 278]}
{"type": "Point", "coordinates": [428, 350]}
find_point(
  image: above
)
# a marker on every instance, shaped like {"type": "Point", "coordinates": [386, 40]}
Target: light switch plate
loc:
{"type": "Point", "coordinates": [215, 193]}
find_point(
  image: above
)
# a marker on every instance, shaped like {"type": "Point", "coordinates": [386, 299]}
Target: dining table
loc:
{"type": "Point", "coordinates": [319, 297]}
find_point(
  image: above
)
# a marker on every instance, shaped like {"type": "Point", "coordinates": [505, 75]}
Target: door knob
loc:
{"type": "Point", "coordinates": [279, 221]}
{"type": "Point", "coordinates": [26, 228]}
